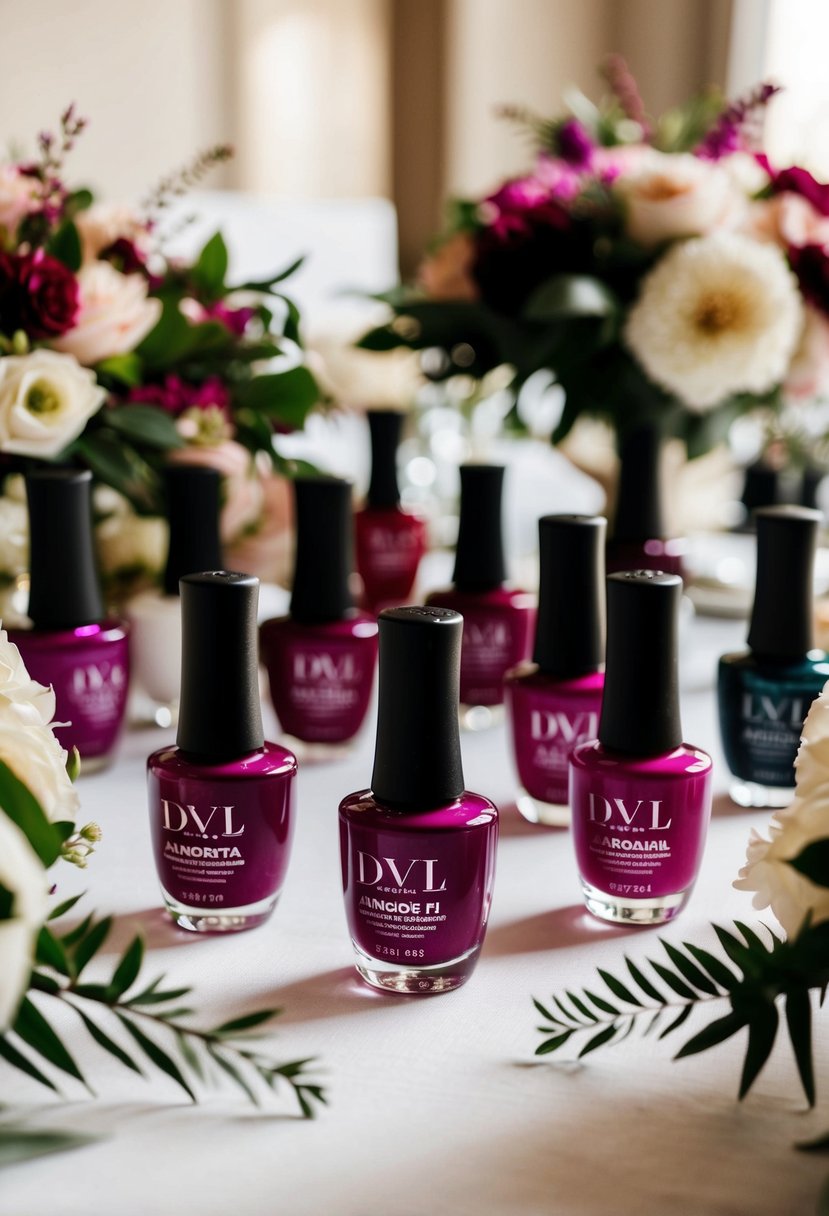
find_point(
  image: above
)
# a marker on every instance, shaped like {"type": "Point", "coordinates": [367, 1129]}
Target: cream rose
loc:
{"type": "Point", "coordinates": [34, 755]}
{"type": "Point", "coordinates": [775, 883]}
{"type": "Point", "coordinates": [105, 223]}
{"type": "Point", "coordinates": [15, 197]}
{"type": "Point", "coordinates": [46, 399]}
{"type": "Point", "coordinates": [115, 314]}
{"type": "Point", "coordinates": [669, 197]}
{"type": "Point", "coordinates": [32, 700]}
{"type": "Point", "coordinates": [23, 876]}
{"type": "Point", "coordinates": [131, 544]}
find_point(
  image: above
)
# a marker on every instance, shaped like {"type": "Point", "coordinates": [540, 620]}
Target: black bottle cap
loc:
{"type": "Point", "coordinates": [219, 715]}
{"type": "Point", "coordinates": [479, 556]}
{"type": "Point", "coordinates": [781, 619]}
{"type": "Point", "coordinates": [324, 549]}
{"type": "Point", "coordinates": [569, 631]}
{"type": "Point", "coordinates": [640, 702]}
{"type": "Point", "coordinates": [384, 428]}
{"type": "Point", "coordinates": [417, 758]}
{"type": "Point", "coordinates": [810, 483]}
{"type": "Point", "coordinates": [761, 486]}
{"type": "Point", "coordinates": [193, 502]}
{"type": "Point", "coordinates": [65, 589]}
{"type": "Point", "coordinates": [638, 514]}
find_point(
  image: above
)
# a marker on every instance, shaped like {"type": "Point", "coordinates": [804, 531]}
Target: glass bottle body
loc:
{"type": "Point", "coordinates": [390, 544]}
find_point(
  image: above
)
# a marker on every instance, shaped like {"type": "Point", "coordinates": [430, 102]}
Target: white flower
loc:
{"type": "Point", "coordinates": [32, 700]}
{"type": "Point", "coordinates": [777, 884]}
{"type": "Point", "coordinates": [670, 196]}
{"type": "Point", "coordinates": [15, 197]}
{"type": "Point", "coordinates": [115, 314]}
{"type": "Point", "coordinates": [23, 876]}
{"type": "Point", "coordinates": [102, 224]}
{"type": "Point", "coordinates": [130, 544]}
{"type": "Point", "coordinates": [716, 316]}
{"type": "Point", "coordinates": [361, 379]}
{"type": "Point", "coordinates": [14, 538]}
{"type": "Point", "coordinates": [45, 402]}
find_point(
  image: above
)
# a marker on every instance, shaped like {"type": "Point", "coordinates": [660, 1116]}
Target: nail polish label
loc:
{"type": "Point", "coordinates": [497, 628]}
{"type": "Point", "coordinates": [638, 837]}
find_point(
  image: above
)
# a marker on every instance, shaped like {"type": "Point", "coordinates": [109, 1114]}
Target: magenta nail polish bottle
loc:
{"type": "Point", "coordinates": [390, 541]}
{"type": "Point", "coordinates": [637, 538]}
{"type": "Point", "coordinates": [553, 703]}
{"type": "Point", "coordinates": [320, 659]}
{"type": "Point", "coordinates": [221, 801]}
{"type": "Point", "coordinates": [497, 619]}
{"type": "Point", "coordinates": [640, 797]}
{"type": "Point", "coordinates": [417, 849]}
{"type": "Point", "coordinates": [72, 644]}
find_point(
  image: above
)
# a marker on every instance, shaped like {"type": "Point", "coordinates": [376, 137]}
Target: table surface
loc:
{"type": "Point", "coordinates": [437, 1105]}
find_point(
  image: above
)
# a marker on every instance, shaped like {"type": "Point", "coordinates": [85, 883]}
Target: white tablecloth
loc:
{"type": "Point", "coordinates": [437, 1104]}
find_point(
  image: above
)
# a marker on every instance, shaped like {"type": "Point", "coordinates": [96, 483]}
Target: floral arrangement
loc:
{"type": "Point", "coordinates": [117, 357]}
{"type": "Point", "coordinates": [664, 272]}
{"type": "Point", "coordinates": [43, 962]}
{"type": "Point", "coordinates": [788, 873]}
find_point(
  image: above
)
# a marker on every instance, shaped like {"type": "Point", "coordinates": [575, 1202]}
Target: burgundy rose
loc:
{"type": "Point", "coordinates": [38, 294]}
{"type": "Point", "coordinates": [811, 265]}
{"type": "Point", "coordinates": [795, 180]}
{"type": "Point", "coordinates": [574, 144]}
{"type": "Point", "coordinates": [124, 256]}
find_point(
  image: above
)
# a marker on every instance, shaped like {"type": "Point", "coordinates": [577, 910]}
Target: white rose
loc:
{"type": "Point", "coordinates": [32, 700]}
{"type": "Point", "coordinates": [669, 197]}
{"type": "Point", "coordinates": [23, 876]}
{"type": "Point", "coordinates": [14, 538]}
{"type": "Point", "coordinates": [45, 401]}
{"type": "Point", "coordinates": [775, 883]}
{"type": "Point", "coordinates": [102, 224]}
{"type": "Point", "coordinates": [115, 314]}
{"type": "Point", "coordinates": [15, 197]}
{"type": "Point", "coordinates": [34, 755]}
{"type": "Point", "coordinates": [130, 544]}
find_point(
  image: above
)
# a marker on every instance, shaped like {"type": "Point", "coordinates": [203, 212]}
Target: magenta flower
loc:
{"type": "Point", "coordinates": [38, 294]}
{"type": "Point", "coordinates": [175, 395]}
{"type": "Point", "coordinates": [734, 129]}
{"type": "Point", "coordinates": [575, 146]}
{"type": "Point", "coordinates": [234, 319]}
{"type": "Point", "coordinates": [795, 180]}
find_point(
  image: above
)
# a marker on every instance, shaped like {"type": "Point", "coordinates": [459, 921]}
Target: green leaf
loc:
{"type": "Point", "coordinates": [618, 988]}
{"type": "Point", "coordinates": [570, 295]}
{"type": "Point", "coordinates": [267, 284]}
{"type": "Point", "coordinates": [681, 1017]}
{"type": "Point", "coordinates": [23, 809]}
{"type": "Point", "coordinates": [65, 245]}
{"type": "Point", "coordinates": [657, 1017]}
{"type": "Point", "coordinates": [813, 862]}
{"type": "Point", "coordinates": [553, 1044]}
{"type": "Point", "coordinates": [762, 1031]}
{"type": "Point", "coordinates": [31, 1026]}
{"type": "Point", "coordinates": [18, 1144]}
{"type": "Point", "coordinates": [152, 996]}
{"type": "Point", "coordinates": [799, 1022]}
{"type": "Point", "coordinates": [168, 340]}
{"type": "Point", "coordinates": [127, 970]}
{"type": "Point", "coordinates": [119, 465]}
{"type": "Point", "coordinates": [233, 1072]}
{"type": "Point", "coordinates": [716, 1032]}
{"type": "Point", "coordinates": [38, 982]}
{"type": "Point", "coordinates": [599, 1040]}
{"type": "Point", "coordinates": [22, 1063]}
{"type": "Point", "coordinates": [644, 983]}
{"type": "Point", "coordinates": [246, 1022]}
{"type": "Point", "coordinates": [62, 908]}
{"type": "Point", "coordinates": [211, 267]}
{"type": "Point", "coordinates": [718, 971]}
{"type": "Point", "coordinates": [738, 953]}
{"type": "Point", "coordinates": [49, 952]}
{"type": "Point", "coordinates": [189, 1053]}
{"type": "Point", "coordinates": [108, 1044]}
{"type": "Point", "coordinates": [582, 1008]}
{"type": "Point", "coordinates": [752, 940]}
{"type": "Point", "coordinates": [690, 970]}
{"type": "Point", "coordinates": [73, 936]}
{"type": "Point", "coordinates": [156, 1055]}
{"type": "Point", "coordinates": [285, 397]}
{"type": "Point", "coordinates": [602, 1004]}
{"type": "Point", "coordinates": [545, 1013]}
{"type": "Point", "coordinates": [126, 369]}
{"type": "Point", "coordinates": [569, 1016]}
{"type": "Point", "coordinates": [674, 982]}
{"type": "Point", "coordinates": [89, 945]}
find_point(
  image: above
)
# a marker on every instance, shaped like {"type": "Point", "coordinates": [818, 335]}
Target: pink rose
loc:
{"type": "Point", "coordinates": [446, 274]}
{"type": "Point", "coordinates": [105, 224]}
{"type": "Point", "coordinates": [673, 196]}
{"type": "Point", "coordinates": [808, 374]}
{"type": "Point", "coordinates": [115, 314]}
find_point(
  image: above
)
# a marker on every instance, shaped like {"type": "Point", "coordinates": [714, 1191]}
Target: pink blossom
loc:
{"type": "Point", "coordinates": [795, 180]}
{"type": "Point", "coordinates": [175, 395]}
{"type": "Point", "coordinates": [234, 319]}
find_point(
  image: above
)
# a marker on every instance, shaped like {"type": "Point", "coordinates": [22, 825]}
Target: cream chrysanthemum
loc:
{"type": "Point", "coordinates": [716, 316]}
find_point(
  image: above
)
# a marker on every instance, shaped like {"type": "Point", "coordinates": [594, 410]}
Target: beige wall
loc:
{"type": "Point", "coordinates": [147, 73]}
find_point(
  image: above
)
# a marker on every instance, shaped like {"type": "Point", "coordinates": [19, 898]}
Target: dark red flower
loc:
{"type": "Point", "coordinates": [124, 256]}
{"type": "Point", "coordinates": [795, 180]}
{"type": "Point", "coordinates": [811, 265]}
{"type": "Point", "coordinates": [38, 294]}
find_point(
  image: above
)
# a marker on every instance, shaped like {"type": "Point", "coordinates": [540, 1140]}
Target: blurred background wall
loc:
{"type": "Point", "coordinates": [390, 98]}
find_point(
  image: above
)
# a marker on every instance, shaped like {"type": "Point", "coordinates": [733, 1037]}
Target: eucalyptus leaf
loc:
{"type": "Point", "coordinates": [90, 944]}
{"type": "Point", "coordinates": [157, 1056]}
{"type": "Point", "coordinates": [32, 1027]}
{"type": "Point", "coordinates": [145, 424]}
{"type": "Point", "coordinates": [128, 968]}
{"type": "Point", "coordinates": [690, 971]}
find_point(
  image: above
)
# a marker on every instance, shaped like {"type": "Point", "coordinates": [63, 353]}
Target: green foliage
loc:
{"type": "Point", "coordinates": [65, 245]}
{"type": "Point", "coordinates": [210, 268]}
{"type": "Point", "coordinates": [145, 424]}
{"type": "Point", "coordinates": [23, 1144]}
{"type": "Point", "coordinates": [21, 806]}
{"type": "Point", "coordinates": [759, 975]}
{"type": "Point", "coordinates": [152, 1020]}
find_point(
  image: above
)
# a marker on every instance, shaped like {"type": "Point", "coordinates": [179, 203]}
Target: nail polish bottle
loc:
{"type": "Point", "coordinates": [497, 619]}
{"type": "Point", "coordinates": [417, 849]}
{"type": "Point", "coordinates": [765, 692]}
{"type": "Point", "coordinates": [72, 645]}
{"type": "Point", "coordinates": [637, 537]}
{"type": "Point", "coordinates": [221, 800]}
{"type": "Point", "coordinates": [390, 541]}
{"type": "Point", "coordinates": [193, 496]}
{"type": "Point", "coordinates": [640, 797]}
{"type": "Point", "coordinates": [320, 659]}
{"type": "Point", "coordinates": [553, 702]}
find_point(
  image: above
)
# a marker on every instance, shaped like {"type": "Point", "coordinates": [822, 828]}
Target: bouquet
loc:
{"type": "Point", "coordinates": [43, 963]}
{"type": "Point", "coordinates": [664, 272]}
{"type": "Point", "coordinates": [116, 357]}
